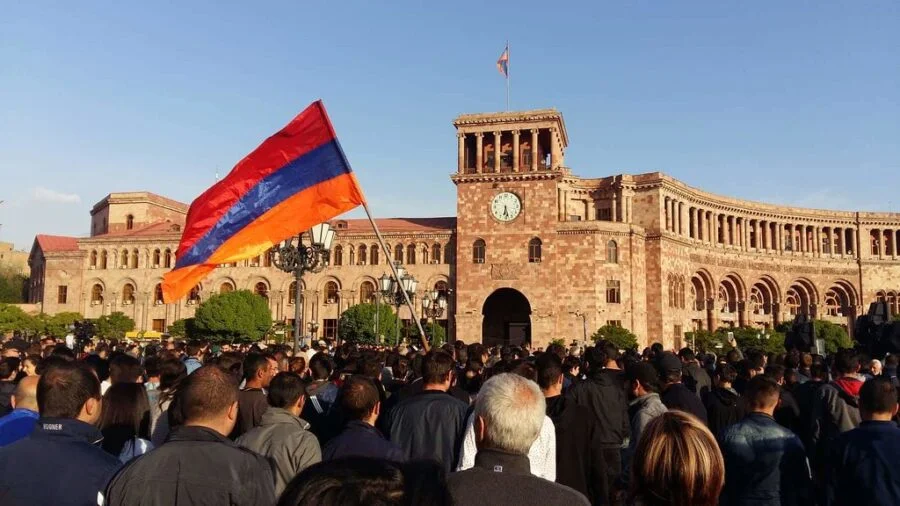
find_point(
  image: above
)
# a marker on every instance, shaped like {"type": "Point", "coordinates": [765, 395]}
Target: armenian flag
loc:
{"type": "Point", "coordinates": [295, 179]}
{"type": "Point", "coordinates": [503, 62]}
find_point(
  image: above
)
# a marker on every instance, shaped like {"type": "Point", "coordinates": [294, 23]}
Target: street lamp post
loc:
{"type": "Point", "coordinates": [313, 327]}
{"type": "Point", "coordinates": [392, 291]}
{"type": "Point", "coordinates": [299, 259]}
{"type": "Point", "coordinates": [433, 306]}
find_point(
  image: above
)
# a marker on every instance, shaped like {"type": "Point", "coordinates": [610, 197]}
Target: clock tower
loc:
{"type": "Point", "coordinates": [509, 169]}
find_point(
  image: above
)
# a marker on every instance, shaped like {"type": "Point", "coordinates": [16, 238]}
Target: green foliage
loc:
{"type": "Point", "coordinates": [357, 324]}
{"type": "Point", "coordinates": [13, 319]}
{"type": "Point", "coordinates": [896, 318]}
{"type": "Point", "coordinates": [705, 341]}
{"type": "Point", "coordinates": [13, 287]}
{"type": "Point", "coordinates": [436, 334]}
{"type": "Point", "coordinates": [619, 336]}
{"type": "Point", "coordinates": [233, 315]}
{"type": "Point", "coordinates": [560, 341]}
{"type": "Point", "coordinates": [58, 325]}
{"type": "Point", "coordinates": [114, 325]}
{"type": "Point", "coordinates": [745, 338]}
{"type": "Point", "coordinates": [182, 328]}
{"type": "Point", "coordinates": [835, 336]}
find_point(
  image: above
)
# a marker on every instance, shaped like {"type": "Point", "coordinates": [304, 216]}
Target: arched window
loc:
{"type": "Point", "coordinates": [226, 287]}
{"type": "Point", "coordinates": [478, 248]}
{"type": "Point", "coordinates": [612, 252]}
{"type": "Point", "coordinates": [352, 256]}
{"type": "Point", "coordinates": [168, 259]}
{"type": "Point", "coordinates": [331, 292]}
{"type": "Point", "coordinates": [435, 253]}
{"type": "Point", "coordinates": [366, 292]}
{"type": "Point", "coordinates": [338, 256]}
{"type": "Point", "coordinates": [363, 254]}
{"type": "Point", "coordinates": [194, 296]}
{"type": "Point", "coordinates": [134, 259]}
{"type": "Point", "coordinates": [93, 259]}
{"type": "Point", "coordinates": [373, 255]}
{"type": "Point", "coordinates": [129, 222]}
{"type": "Point", "coordinates": [398, 253]}
{"type": "Point", "coordinates": [123, 261]}
{"type": "Point", "coordinates": [103, 259]}
{"type": "Point", "coordinates": [156, 258]}
{"type": "Point", "coordinates": [448, 253]}
{"type": "Point", "coordinates": [158, 294]}
{"type": "Point", "coordinates": [262, 290]}
{"type": "Point", "coordinates": [534, 250]}
{"type": "Point", "coordinates": [411, 254]}
{"type": "Point", "coordinates": [128, 294]}
{"type": "Point", "coordinates": [267, 258]}
{"type": "Point", "coordinates": [96, 294]}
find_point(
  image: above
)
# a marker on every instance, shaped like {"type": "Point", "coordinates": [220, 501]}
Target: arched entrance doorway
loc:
{"type": "Point", "coordinates": [507, 318]}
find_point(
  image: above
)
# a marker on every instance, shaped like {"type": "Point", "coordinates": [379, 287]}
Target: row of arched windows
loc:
{"type": "Point", "coordinates": [410, 254]}
{"type": "Point", "coordinates": [535, 251]}
{"type": "Point", "coordinates": [129, 291]}
{"type": "Point", "coordinates": [126, 259]}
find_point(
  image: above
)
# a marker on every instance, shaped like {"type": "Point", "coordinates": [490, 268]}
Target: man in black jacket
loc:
{"type": "Point", "coordinates": [603, 394]}
{"type": "Point", "coordinates": [198, 464]}
{"type": "Point", "coordinates": [724, 406]}
{"type": "Point", "coordinates": [430, 424]}
{"type": "Point", "coordinates": [805, 394]}
{"type": "Point", "coordinates": [694, 377]}
{"type": "Point", "coordinates": [509, 413]}
{"type": "Point", "coordinates": [361, 404]}
{"type": "Point", "coordinates": [579, 461]}
{"type": "Point", "coordinates": [675, 395]}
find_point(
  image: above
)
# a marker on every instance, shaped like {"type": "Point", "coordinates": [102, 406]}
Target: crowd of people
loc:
{"type": "Point", "coordinates": [175, 423]}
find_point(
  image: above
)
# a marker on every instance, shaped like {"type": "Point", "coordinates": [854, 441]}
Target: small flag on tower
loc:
{"type": "Point", "coordinates": [503, 62]}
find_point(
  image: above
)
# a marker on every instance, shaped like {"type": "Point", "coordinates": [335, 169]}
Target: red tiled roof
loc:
{"type": "Point", "coordinates": [56, 243]}
{"type": "Point", "coordinates": [388, 225]}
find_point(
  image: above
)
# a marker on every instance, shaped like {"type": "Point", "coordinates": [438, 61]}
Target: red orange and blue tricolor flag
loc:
{"type": "Point", "coordinates": [503, 62]}
{"type": "Point", "coordinates": [295, 179]}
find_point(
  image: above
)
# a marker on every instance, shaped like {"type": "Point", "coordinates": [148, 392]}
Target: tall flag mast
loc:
{"type": "Point", "coordinates": [503, 67]}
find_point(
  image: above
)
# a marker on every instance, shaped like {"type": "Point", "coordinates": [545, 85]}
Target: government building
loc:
{"type": "Point", "coordinates": [535, 253]}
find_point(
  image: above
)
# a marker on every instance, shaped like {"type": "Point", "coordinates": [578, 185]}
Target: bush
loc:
{"type": "Point", "coordinates": [233, 315]}
{"type": "Point", "coordinates": [357, 324]}
{"type": "Point", "coordinates": [13, 319]}
{"type": "Point", "coordinates": [436, 334]}
{"type": "Point", "coordinates": [621, 337]}
{"type": "Point", "coordinates": [835, 336]}
{"type": "Point", "coordinates": [13, 287]}
{"type": "Point", "coordinates": [58, 325]}
{"type": "Point", "coordinates": [114, 325]}
{"type": "Point", "coordinates": [186, 328]}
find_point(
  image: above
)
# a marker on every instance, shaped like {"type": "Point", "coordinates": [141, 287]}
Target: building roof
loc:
{"type": "Point", "coordinates": [149, 230]}
{"type": "Point", "coordinates": [50, 243]}
{"type": "Point", "coordinates": [142, 196]}
{"type": "Point", "coordinates": [397, 225]}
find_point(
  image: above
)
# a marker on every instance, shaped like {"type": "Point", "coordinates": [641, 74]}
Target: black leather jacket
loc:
{"type": "Point", "coordinates": [429, 425]}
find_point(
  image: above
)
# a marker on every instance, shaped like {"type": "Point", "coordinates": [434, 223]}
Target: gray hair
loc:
{"type": "Point", "coordinates": [513, 410]}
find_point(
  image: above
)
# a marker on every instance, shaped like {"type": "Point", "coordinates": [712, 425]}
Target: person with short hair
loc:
{"type": "Point", "coordinates": [193, 356]}
{"type": "Point", "coordinates": [675, 395]}
{"type": "Point", "coordinates": [677, 463]}
{"type": "Point", "coordinates": [198, 464]}
{"type": "Point", "coordinates": [723, 403]}
{"type": "Point", "coordinates": [430, 423]}
{"type": "Point", "coordinates": [62, 447]}
{"type": "Point", "coordinates": [861, 467]}
{"type": "Point", "coordinates": [253, 402]}
{"type": "Point", "coordinates": [361, 404]}
{"type": "Point", "coordinates": [21, 420]}
{"type": "Point", "coordinates": [835, 407]}
{"type": "Point", "coordinates": [693, 376]}
{"type": "Point", "coordinates": [765, 463]}
{"type": "Point", "coordinates": [322, 395]}
{"type": "Point", "coordinates": [509, 413]}
{"type": "Point", "coordinates": [643, 390]}
{"type": "Point", "coordinates": [282, 436]}
{"type": "Point", "coordinates": [123, 369]}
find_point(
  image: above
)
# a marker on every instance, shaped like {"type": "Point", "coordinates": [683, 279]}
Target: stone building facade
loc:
{"type": "Point", "coordinates": [13, 260]}
{"type": "Point", "coordinates": [535, 253]}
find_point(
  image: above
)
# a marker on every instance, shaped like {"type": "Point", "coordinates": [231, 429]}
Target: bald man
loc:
{"type": "Point", "coordinates": [20, 422]}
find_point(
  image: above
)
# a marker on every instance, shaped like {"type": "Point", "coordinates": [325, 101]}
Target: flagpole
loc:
{"type": "Point", "coordinates": [507, 75]}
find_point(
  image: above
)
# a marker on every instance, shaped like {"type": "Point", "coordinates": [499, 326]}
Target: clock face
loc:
{"type": "Point", "coordinates": [506, 206]}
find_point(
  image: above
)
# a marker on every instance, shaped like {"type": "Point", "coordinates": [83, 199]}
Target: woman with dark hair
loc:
{"type": "Point", "coordinates": [30, 365]}
{"type": "Point", "coordinates": [171, 373]}
{"type": "Point", "coordinates": [358, 481]}
{"type": "Point", "coordinates": [125, 421]}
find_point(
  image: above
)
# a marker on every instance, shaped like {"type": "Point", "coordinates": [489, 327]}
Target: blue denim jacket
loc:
{"type": "Point", "coordinates": [765, 464]}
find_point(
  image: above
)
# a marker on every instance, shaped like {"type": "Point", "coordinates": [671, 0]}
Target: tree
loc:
{"type": "Point", "coordinates": [233, 315]}
{"type": "Point", "coordinates": [705, 341]}
{"type": "Point", "coordinates": [835, 336]}
{"type": "Point", "coordinates": [114, 325]}
{"type": "Point", "coordinates": [437, 335]}
{"type": "Point", "coordinates": [621, 337]}
{"type": "Point", "coordinates": [357, 323]}
{"type": "Point", "coordinates": [183, 328]}
{"type": "Point", "coordinates": [13, 319]}
{"type": "Point", "coordinates": [13, 287]}
{"type": "Point", "coordinates": [59, 324]}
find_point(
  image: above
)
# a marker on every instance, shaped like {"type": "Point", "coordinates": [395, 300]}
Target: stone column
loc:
{"type": "Point", "coordinates": [730, 235]}
{"type": "Point", "coordinates": [628, 215]}
{"type": "Point", "coordinates": [497, 148]}
{"type": "Point", "coordinates": [711, 231]}
{"type": "Point", "coordinates": [534, 149]}
{"type": "Point", "coordinates": [817, 249]}
{"type": "Point", "coordinates": [555, 149]}
{"type": "Point", "coordinates": [615, 204]}
{"type": "Point", "coordinates": [559, 204]}
{"type": "Point", "coordinates": [681, 227]}
{"type": "Point", "coordinates": [479, 152]}
{"type": "Point", "coordinates": [668, 213]}
{"type": "Point", "coordinates": [692, 222]}
{"type": "Point", "coordinates": [779, 236]}
{"type": "Point", "coordinates": [515, 160]}
{"type": "Point", "coordinates": [461, 139]}
{"type": "Point", "coordinates": [587, 210]}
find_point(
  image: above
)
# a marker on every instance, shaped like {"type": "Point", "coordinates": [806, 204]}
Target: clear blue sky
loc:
{"type": "Point", "coordinates": [790, 102]}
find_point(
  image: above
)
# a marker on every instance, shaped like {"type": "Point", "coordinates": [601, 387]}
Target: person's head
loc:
{"type": "Point", "coordinates": [171, 372]}
{"type": "Point", "coordinates": [320, 367]}
{"type": "Point", "coordinates": [9, 367]}
{"type": "Point", "coordinates": [30, 365]}
{"type": "Point", "coordinates": [69, 390]}
{"type": "Point", "coordinates": [875, 367]}
{"type": "Point", "coordinates": [297, 365]}
{"type": "Point", "coordinates": [687, 355]}
{"type": "Point", "coordinates": [509, 413]}
{"type": "Point", "coordinates": [287, 391]}
{"type": "Point", "coordinates": [669, 367]}
{"type": "Point", "coordinates": [151, 368]}
{"type": "Point", "coordinates": [677, 463]}
{"type": "Point", "coordinates": [208, 398]}
{"type": "Point", "coordinates": [550, 374]}
{"type": "Point", "coordinates": [25, 395]}
{"type": "Point", "coordinates": [125, 415]}
{"type": "Point", "coordinates": [360, 399]}
{"type": "Point", "coordinates": [725, 375]}
{"type": "Point", "coordinates": [878, 400]}
{"type": "Point", "coordinates": [231, 362]}
{"type": "Point", "coordinates": [437, 370]}
{"type": "Point", "coordinates": [643, 379]}
{"type": "Point", "coordinates": [846, 362]}
{"type": "Point", "coordinates": [818, 372]}
{"type": "Point", "coordinates": [359, 481]}
{"type": "Point", "coordinates": [194, 349]}
{"type": "Point", "coordinates": [776, 373]}
{"type": "Point", "coordinates": [125, 369]}
{"type": "Point", "coordinates": [259, 370]}
{"type": "Point", "coordinates": [572, 365]}
{"type": "Point", "coordinates": [762, 394]}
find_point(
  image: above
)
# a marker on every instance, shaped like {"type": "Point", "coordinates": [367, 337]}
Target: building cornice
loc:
{"type": "Point", "coordinates": [497, 177]}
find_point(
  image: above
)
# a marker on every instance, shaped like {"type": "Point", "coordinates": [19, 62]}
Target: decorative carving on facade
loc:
{"type": "Point", "coordinates": [504, 272]}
